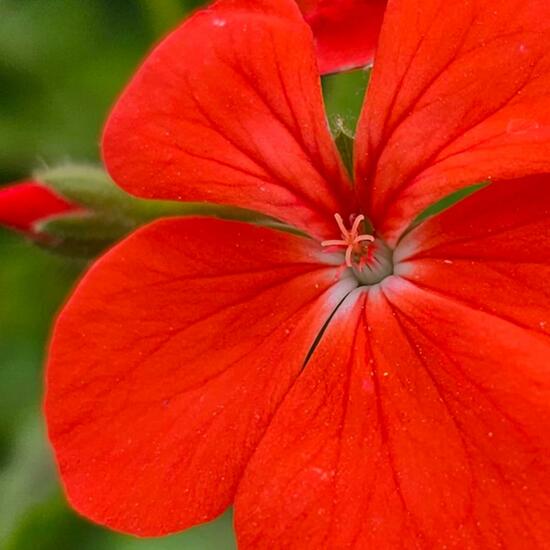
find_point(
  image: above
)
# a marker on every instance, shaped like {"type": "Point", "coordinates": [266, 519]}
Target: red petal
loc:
{"type": "Point", "coordinates": [345, 31]}
{"type": "Point", "coordinates": [459, 95]}
{"type": "Point", "coordinates": [362, 453]}
{"type": "Point", "coordinates": [421, 420]}
{"type": "Point", "coordinates": [23, 204]}
{"type": "Point", "coordinates": [228, 109]}
{"type": "Point", "coordinates": [490, 252]}
{"type": "Point", "coordinates": [169, 360]}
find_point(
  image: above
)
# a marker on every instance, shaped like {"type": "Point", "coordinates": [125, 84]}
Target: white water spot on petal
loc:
{"type": "Point", "coordinates": [543, 324]}
{"type": "Point", "coordinates": [522, 48]}
{"type": "Point", "coordinates": [218, 22]}
{"type": "Point", "coordinates": [521, 126]}
{"type": "Point", "coordinates": [367, 385]}
{"type": "Point", "coordinates": [322, 474]}
{"type": "Point", "coordinates": [448, 262]}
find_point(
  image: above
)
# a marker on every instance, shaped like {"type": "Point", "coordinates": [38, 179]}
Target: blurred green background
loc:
{"type": "Point", "coordinates": [62, 63]}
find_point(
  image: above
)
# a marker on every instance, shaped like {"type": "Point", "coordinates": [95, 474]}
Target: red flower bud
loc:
{"type": "Point", "coordinates": [345, 31]}
{"type": "Point", "coordinates": [24, 204]}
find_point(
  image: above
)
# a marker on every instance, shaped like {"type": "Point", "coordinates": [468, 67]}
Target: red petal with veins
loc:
{"type": "Point", "coordinates": [23, 204]}
{"type": "Point", "coordinates": [490, 251]}
{"type": "Point", "coordinates": [421, 420]}
{"type": "Point", "coordinates": [345, 31]}
{"type": "Point", "coordinates": [228, 109]}
{"type": "Point", "coordinates": [169, 361]}
{"type": "Point", "coordinates": [459, 95]}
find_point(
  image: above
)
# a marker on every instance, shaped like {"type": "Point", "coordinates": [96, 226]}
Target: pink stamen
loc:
{"type": "Point", "coordinates": [350, 239]}
{"type": "Point", "coordinates": [334, 243]}
{"type": "Point", "coordinates": [341, 226]}
{"type": "Point", "coordinates": [362, 238]}
{"type": "Point", "coordinates": [356, 223]}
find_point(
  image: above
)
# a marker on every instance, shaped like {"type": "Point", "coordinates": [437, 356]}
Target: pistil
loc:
{"type": "Point", "coordinates": [352, 239]}
{"type": "Point", "coordinates": [369, 257]}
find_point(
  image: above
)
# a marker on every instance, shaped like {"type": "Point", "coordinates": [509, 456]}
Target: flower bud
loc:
{"type": "Point", "coordinates": [25, 204]}
{"type": "Point", "coordinates": [78, 211]}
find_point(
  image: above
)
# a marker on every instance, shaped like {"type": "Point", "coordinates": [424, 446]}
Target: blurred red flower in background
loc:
{"type": "Point", "coordinates": [402, 401]}
{"type": "Point", "coordinates": [345, 31]}
{"type": "Point", "coordinates": [24, 204]}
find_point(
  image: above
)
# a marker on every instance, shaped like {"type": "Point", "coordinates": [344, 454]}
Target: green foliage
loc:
{"type": "Point", "coordinates": [50, 526]}
{"type": "Point", "coordinates": [61, 65]}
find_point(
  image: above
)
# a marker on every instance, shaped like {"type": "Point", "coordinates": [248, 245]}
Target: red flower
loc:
{"type": "Point", "coordinates": [182, 376]}
{"type": "Point", "coordinates": [345, 31]}
{"type": "Point", "coordinates": [24, 204]}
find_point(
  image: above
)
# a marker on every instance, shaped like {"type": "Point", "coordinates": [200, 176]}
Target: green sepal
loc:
{"type": "Point", "coordinates": [77, 249]}
{"type": "Point", "coordinates": [109, 213]}
{"type": "Point", "coordinates": [90, 187]}
{"type": "Point", "coordinates": [78, 235]}
{"type": "Point", "coordinates": [83, 226]}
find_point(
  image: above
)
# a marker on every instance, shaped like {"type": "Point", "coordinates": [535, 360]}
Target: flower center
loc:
{"type": "Point", "coordinates": [369, 257]}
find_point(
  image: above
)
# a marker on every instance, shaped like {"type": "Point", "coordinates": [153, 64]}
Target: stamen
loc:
{"type": "Point", "coordinates": [341, 226]}
{"type": "Point", "coordinates": [356, 222]}
{"type": "Point", "coordinates": [334, 243]}
{"type": "Point", "coordinates": [362, 238]}
{"type": "Point", "coordinates": [350, 239]}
